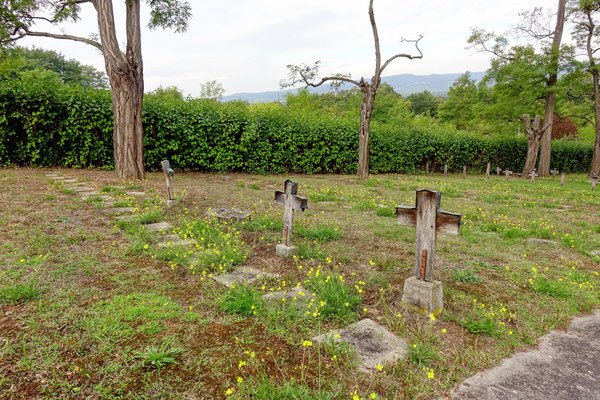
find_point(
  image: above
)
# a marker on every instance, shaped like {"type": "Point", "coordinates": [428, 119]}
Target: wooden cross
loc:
{"type": "Point", "coordinates": [533, 174]}
{"type": "Point", "coordinates": [291, 201]}
{"type": "Point", "coordinates": [464, 172]}
{"type": "Point", "coordinates": [427, 217]}
{"type": "Point", "coordinates": [594, 180]}
{"type": "Point", "coordinates": [554, 171]}
{"type": "Point", "coordinates": [508, 173]}
{"type": "Point", "coordinates": [562, 179]}
{"type": "Point", "coordinates": [445, 169]}
{"type": "Point", "coordinates": [166, 167]}
{"type": "Point", "coordinates": [487, 170]}
{"type": "Point", "coordinates": [498, 169]}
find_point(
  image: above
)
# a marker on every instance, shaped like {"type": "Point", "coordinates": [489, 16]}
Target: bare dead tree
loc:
{"type": "Point", "coordinates": [307, 74]}
{"type": "Point", "coordinates": [534, 134]}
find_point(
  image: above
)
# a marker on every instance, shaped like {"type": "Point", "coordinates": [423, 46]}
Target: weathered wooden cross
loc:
{"type": "Point", "coordinates": [427, 217]}
{"type": "Point", "coordinates": [421, 292]}
{"type": "Point", "coordinates": [169, 173]}
{"type": "Point", "coordinates": [508, 173]}
{"type": "Point", "coordinates": [562, 179]}
{"type": "Point", "coordinates": [498, 169]}
{"type": "Point", "coordinates": [464, 172]}
{"type": "Point", "coordinates": [487, 170]}
{"type": "Point", "coordinates": [554, 171]}
{"type": "Point", "coordinates": [594, 180]}
{"type": "Point", "coordinates": [291, 201]}
{"type": "Point", "coordinates": [533, 174]}
{"type": "Point", "coordinates": [445, 169]}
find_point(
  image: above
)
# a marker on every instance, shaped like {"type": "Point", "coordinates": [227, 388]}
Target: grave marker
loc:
{"type": "Point", "coordinates": [533, 174]}
{"type": "Point", "coordinates": [445, 169]}
{"type": "Point", "coordinates": [554, 171]}
{"type": "Point", "coordinates": [562, 179]}
{"type": "Point", "coordinates": [508, 173]}
{"type": "Point", "coordinates": [422, 292]}
{"type": "Point", "coordinates": [291, 201]}
{"type": "Point", "coordinates": [487, 170]}
{"type": "Point", "coordinates": [464, 172]}
{"type": "Point", "coordinates": [169, 173]}
{"type": "Point", "coordinates": [594, 180]}
{"type": "Point", "coordinates": [498, 169]}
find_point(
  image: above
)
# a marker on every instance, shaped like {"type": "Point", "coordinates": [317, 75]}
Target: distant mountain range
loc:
{"type": "Point", "coordinates": [404, 84]}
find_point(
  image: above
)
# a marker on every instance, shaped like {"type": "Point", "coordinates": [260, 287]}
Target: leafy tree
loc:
{"type": "Point", "coordinates": [424, 103]}
{"type": "Point", "coordinates": [306, 74]}
{"type": "Point", "coordinates": [460, 107]}
{"type": "Point", "coordinates": [212, 90]}
{"type": "Point", "coordinates": [124, 68]}
{"type": "Point", "coordinates": [170, 92]}
{"type": "Point", "coordinates": [71, 71]}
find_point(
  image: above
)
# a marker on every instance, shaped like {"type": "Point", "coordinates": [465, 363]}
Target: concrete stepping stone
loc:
{"type": "Point", "coordinates": [229, 214]}
{"type": "Point", "coordinates": [243, 275]}
{"type": "Point", "coordinates": [132, 193]}
{"type": "Point", "coordinates": [119, 210]}
{"type": "Point", "coordinates": [373, 343]}
{"type": "Point", "coordinates": [544, 242]}
{"type": "Point", "coordinates": [70, 180]}
{"type": "Point", "coordinates": [158, 226]}
{"type": "Point", "coordinates": [83, 189]}
{"type": "Point", "coordinates": [298, 294]}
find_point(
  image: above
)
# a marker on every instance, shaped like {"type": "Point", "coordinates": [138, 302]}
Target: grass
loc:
{"type": "Point", "coordinates": [119, 317]}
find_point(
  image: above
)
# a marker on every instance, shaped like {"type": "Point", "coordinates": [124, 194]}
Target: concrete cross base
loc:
{"type": "Point", "coordinates": [422, 296]}
{"type": "Point", "coordinates": [286, 251]}
{"type": "Point", "coordinates": [171, 203]}
{"type": "Point", "coordinates": [298, 296]}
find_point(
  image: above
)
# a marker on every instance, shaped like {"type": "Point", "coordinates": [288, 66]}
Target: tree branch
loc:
{"type": "Point", "coordinates": [330, 78]}
{"type": "Point", "coordinates": [409, 56]}
{"type": "Point", "coordinates": [378, 69]}
{"type": "Point", "coordinates": [65, 37]}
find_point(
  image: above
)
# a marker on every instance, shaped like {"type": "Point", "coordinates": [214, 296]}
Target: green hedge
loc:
{"type": "Point", "coordinates": [48, 125]}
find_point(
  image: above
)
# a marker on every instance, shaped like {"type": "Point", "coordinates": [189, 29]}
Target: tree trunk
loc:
{"type": "Point", "coordinates": [546, 141]}
{"type": "Point", "coordinates": [595, 168]}
{"type": "Point", "coordinates": [532, 152]}
{"type": "Point", "coordinates": [366, 109]}
{"type": "Point", "coordinates": [125, 73]}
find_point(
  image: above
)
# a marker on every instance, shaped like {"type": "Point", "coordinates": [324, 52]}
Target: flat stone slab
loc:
{"type": "Point", "coordinates": [229, 214]}
{"type": "Point", "coordinates": [126, 217]}
{"type": "Point", "coordinates": [158, 226]}
{"type": "Point", "coordinates": [119, 210]}
{"type": "Point", "coordinates": [133, 193]}
{"type": "Point", "coordinates": [373, 343]}
{"type": "Point", "coordinates": [595, 253]}
{"type": "Point", "coordinates": [297, 295]}
{"type": "Point", "coordinates": [70, 180]}
{"type": "Point", "coordinates": [96, 196]}
{"type": "Point", "coordinates": [242, 275]}
{"type": "Point", "coordinates": [544, 242]}
{"type": "Point", "coordinates": [566, 366]}
{"type": "Point", "coordinates": [174, 240]}
{"type": "Point", "coordinates": [57, 178]}
{"type": "Point", "coordinates": [83, 189]}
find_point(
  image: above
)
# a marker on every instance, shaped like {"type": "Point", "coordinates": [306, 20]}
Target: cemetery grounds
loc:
{"type": "Point", "coordinates": [92, 307]}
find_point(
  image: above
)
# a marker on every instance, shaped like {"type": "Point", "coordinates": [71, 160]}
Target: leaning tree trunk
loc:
{"type": "Point", "coordinates": [595, 168]}
{"type": "Point", "coordinates": [533, 146]}
{"type": "Point", "coordinates": [546, 141]}
{"type": "Point", "coordinates": [366, 110]}
{"type": "Point", "coordinates": [534, 134]}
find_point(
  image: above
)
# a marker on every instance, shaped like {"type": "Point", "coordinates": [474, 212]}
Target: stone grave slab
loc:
{"type": "Point", "coordinates": [242, 275]}
{"type": "Point", "coordinates": [134, 193]}
{"type": "Point", "coordinates": [126, 217]}
{"type": "Point", "coordinates": [297, 295]}
{"type": "Point", "coordinates": [57, 178]}
{"type": "Point", "coordinates": [158, 226]}
{"type": "Point", "coordinates": [102, 197]}
{"type": "Point", "coordinates": [229, 214]}
{"type": "Point", "coordinates": [544, 242]}
{"type": "Point", "coordinates": [70, 180]}
{"type": "Point", "coordinates": [373, 343]}
{"type": "Point", "coordinates": [83, 189]}
{"type": "Point", "coordinates": [595, 253]}
{"type": "Point", "coordinates": [119, 210]}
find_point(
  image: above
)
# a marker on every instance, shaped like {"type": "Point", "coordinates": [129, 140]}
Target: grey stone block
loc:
{"type": "Point", "coordinates": [422, 296]}
{"type": "Point", "coordinates": [296, 295]}
{"type": "Point", "coordinates": [171, 203]}
{"type": "Point", "coordinates": [242, 275]}
{"type": "Point", "coordinates": [286, 251]}
{"type": "Point", "coordinates": [158, 226]}
{"type": "Point", "coordinates": [132, 193]}
{"type": "Point", "coordinates": [119, 210]}
{"type": "Point", "coordinates": [228, 214]}
{"type": "Point", "coordinates": [544, 242]}
{"type": "Point", "coordinates": [373, 343]}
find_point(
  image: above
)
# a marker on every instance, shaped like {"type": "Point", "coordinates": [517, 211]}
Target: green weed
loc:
{"type": "Point", "coordinates": [19, 293]}
{"type": "Point", "coordinates": [159, 356]}
{"type": "Point", "coordinates": [242, 300]}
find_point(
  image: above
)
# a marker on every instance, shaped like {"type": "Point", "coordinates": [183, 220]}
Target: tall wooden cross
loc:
{"type": "Point", "coordinates": [427, 217]}
{"type": "Point", "coordinates": [594, 180]}
{"type": "Point", "coordinates": [169, 173]}
{"type": "Point", "coordinates": [464, 172]}
{"type": "Point", "coordinates": [487, 170]}
{"type": "Point", "coordinates": [445, 169]}
{"type": "Point", "coordinates": [554, 171]}
{"type": "Point", "coordinates": [498, 169]}
{"type": "Point", "coordinates": [533, 174]}
{"type": "Point", "coordinates": [291, 201]}
{"type": "Point", "coordinates": [562, 179]}
{"type": "Point", "coordinates": [508, 173]}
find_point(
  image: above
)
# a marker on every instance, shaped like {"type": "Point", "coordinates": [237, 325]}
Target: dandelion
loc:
{"type": "Point", "coordinates": [307, 343]}
{"type": "Point", "coordinates": [432, 317]}
{"type": "Point", "coordinates": [443, 330]}
{"type": "Point", "coordinates": [379, 367]}
{"type": "Point", "coordinates": [373, 395]}
{"type": "Point", "coordinates": [229, 392]}
{"type": "Point", "coordinates": [240, 379]}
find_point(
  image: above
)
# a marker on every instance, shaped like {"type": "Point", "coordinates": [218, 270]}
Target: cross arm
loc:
{"type": "Point", "coordinates": [299, 203]}
{"type": "Point", "coordinates": [445, 221]}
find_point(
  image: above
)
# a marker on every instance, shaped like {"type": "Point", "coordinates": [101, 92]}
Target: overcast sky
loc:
{"type": "Point", "coordinates": [246, 44]}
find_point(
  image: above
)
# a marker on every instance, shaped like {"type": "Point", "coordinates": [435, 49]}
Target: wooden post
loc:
{"type": "Point", "coordinates": [508, 173]}
{"type": "Point", "coordinates": [562, 179]}
{"type": "Point", "coordinates": [498, 169]}
{"type": "Point", "coordinates": [169, 173]}
{"type": "Point", "coordinates": [594, 180]}
{"type": "Point", "coordinates": [554, 171]}
{"type": "Point", "coordinates": [487, 170]}
{"type": "Point", "coordinates": [291, 201]}
{"type": "Point", "coordinates": [533, 174]}
{"type": "Point", "coordinates": [464, 172]}
{"type": "Point", "coordinates": [445, 169]}
{"type": "Point", "coordinates": [427, 166]}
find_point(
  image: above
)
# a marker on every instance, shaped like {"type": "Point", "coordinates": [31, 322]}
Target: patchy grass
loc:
{"type": "Point", "coordinates": [120, 317]}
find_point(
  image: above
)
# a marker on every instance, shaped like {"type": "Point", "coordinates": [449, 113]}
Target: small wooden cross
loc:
{"type": "Point", "coordinates": [487, 170]}
{"type": "Point", "coordinates": [464, 172]}
{"type": "Point", "coordinates": [562, 179]}
{"type": "Point", "coordinates": [291, 201]}
{"type": "Point", "coordinates": [594, 180]}
{"type": "Point", "coordinates": [427, 217]}
{"type": "Point", "coordinates": [533, 174]}
{"type": "Point", "coordinates": [508, 173]}
{"type": "Point", "coordinates": [498, 169]}
{"type": "Point", "coordinates": [554, 171]}
{"type": "Point", "coordinates": [169, 173]}
{"type": "Point", "coordinates": [445, 169]}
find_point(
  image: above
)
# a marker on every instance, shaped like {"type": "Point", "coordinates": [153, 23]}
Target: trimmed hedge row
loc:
{"type": "Point", "coordinates": [72, 127]}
